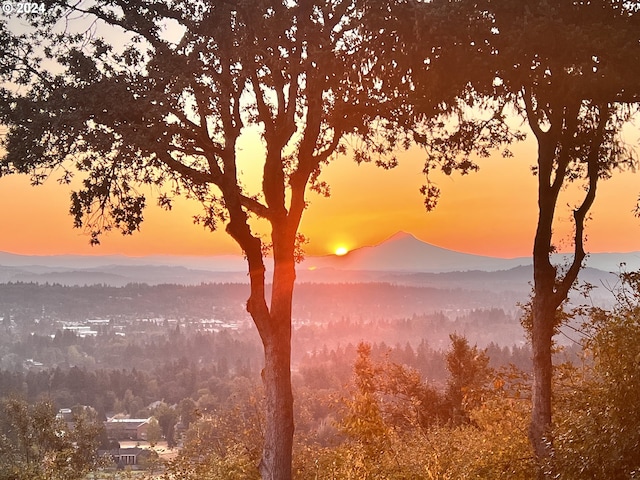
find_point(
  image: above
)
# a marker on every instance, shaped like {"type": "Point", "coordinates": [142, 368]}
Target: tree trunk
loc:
{"type": "Point", "coordinates": [544, 303]}
{"type": "Point", "coordinates": [541, 341]}
{"type": "Point", "coordinates": [550, 290]}
{"type": "Point", "coordinates": [279, 429]}
{"type": "Point", "coordinates": [278, 436]}
{"type": "Point", "coordinates": [274, 326]}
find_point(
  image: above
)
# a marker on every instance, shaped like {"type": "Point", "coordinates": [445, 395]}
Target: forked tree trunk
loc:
{"type": "Point", "coordinates": [274, 326]}
{"type": "Point", "coordinates": [544, 302]}
{"type": "Point", "coordinates": [551, 290]}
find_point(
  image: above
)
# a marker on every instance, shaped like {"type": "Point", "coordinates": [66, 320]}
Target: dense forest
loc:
{"type": "Point", "coordinates": [176, 365]}
{"type": "Point", "coordinates": [141, 347]}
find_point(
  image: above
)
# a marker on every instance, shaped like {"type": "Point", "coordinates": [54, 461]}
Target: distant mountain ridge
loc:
{"type": "Point", "coordinates": [401, 258]}
{"type": "Point", "coordinates": [404, 252]}
{"type": "Point", "coordinates": [220, 263]}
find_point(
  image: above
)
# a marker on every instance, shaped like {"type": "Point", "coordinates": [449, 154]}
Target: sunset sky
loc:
{"type": "Point", "coordinates": [492, 212]}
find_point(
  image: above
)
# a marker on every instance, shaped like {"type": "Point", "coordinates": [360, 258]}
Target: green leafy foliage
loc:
{"type": "Point", "coordinates": [363, 421]}
{"type": "Point", "coordinates": [154, 432]}
{"type": "Point", "coordinates": [37, 445]}
{"type": "Point", "coordinates": [598, 427]}
{"type": "Point", "coordinates": [469, 375]}
{"type": "Point", "coordinates": [399, 428]}
{"type": "Point", "coordinates": [224, 443]}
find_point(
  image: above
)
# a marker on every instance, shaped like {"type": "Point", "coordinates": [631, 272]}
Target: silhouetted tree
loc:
{"type": "Point", "coordinates": [169, 109]}
{"type": "Point", "coordinates": [571, 71]}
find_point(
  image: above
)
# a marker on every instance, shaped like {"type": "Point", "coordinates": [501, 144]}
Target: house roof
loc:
{"type": "Point", "coordinates": [126, 451]}
{"type": "Point", "coordinates": [129, 421]}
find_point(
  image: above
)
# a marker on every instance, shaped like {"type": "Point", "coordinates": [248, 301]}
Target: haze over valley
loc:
{"type": "Point", "coordinates": [337, 301]}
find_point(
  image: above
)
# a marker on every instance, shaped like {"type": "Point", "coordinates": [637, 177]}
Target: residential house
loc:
{"type": "Point", "coordinates": [127, 428]}
{"type": "Point", "coordinates": [134, 457]}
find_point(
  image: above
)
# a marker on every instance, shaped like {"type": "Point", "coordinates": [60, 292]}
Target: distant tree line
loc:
{"type": "Point", "coordinates": [24, 302]}
{"type": "Point", "coordinates": [331, 368]}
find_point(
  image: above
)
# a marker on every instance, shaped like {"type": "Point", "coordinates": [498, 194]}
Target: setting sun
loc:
{"type": "Point", "coordinates": [341, 251]}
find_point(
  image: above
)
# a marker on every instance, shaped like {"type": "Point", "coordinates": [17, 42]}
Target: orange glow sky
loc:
{"type": "Point", "coordinates": [492, 212]}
